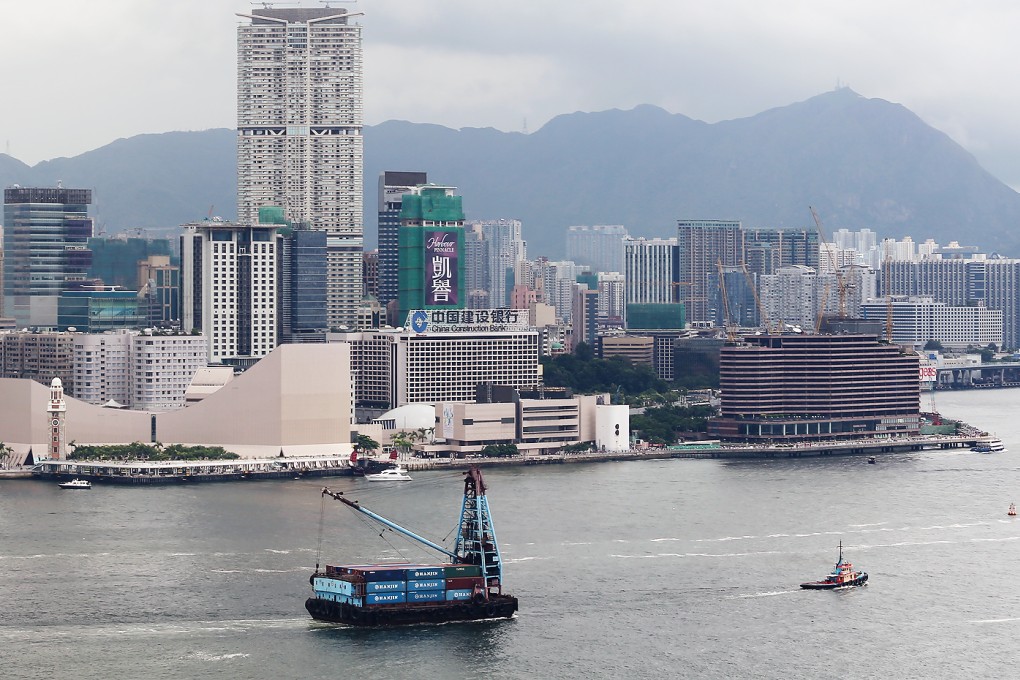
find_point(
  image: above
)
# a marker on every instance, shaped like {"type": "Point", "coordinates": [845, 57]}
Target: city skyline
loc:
{"type": "Point", "coordinates": [880, 51]}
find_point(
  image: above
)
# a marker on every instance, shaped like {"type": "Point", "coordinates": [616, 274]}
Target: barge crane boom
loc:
{"type": "Point", "coordinates": [476, 535]}
{"type": "Point", "coordinates": [339, 495]}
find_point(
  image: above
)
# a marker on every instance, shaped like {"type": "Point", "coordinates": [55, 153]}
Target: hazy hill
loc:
{"type": "Point", "coordinates": [860, 162]}
{"type": "Point", "coordinates": [157, 180]}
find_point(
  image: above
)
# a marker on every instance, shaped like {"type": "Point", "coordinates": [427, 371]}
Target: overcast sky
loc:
{"type": "Point", "coordinates": [78, 74]}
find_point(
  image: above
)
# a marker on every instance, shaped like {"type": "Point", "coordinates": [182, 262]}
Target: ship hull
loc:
{"type": "Point", "coordinates": [497, 607]}
{"type": "Point", "coordinates": [828, 585]}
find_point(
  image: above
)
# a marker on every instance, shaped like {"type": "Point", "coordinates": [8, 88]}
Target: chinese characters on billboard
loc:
{"type": "Point", "coordinates": [468, 320]}
{"type": "Point", "coordinates": [441, 268]}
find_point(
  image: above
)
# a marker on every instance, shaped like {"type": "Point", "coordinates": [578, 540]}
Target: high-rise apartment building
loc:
{"type": "Point", "coordinates": [392, 187]}
{"type": "Point", "coordinates": [599, 247]}
{"type": "Point", "coordinates": [584, 312]}
{"type": "Point", "coordinates": [476, 267]}
{"type": "Point", "coordinates": [299, 127]}
{"type": "Point", "coordinates": [370, 274]}
{"type": "Point", "coordinates": [46, 232]}
{"type": "Point", "coordinates": [917, 321]}
{"type": "Point", "coordinates": [38, 356]}
{"type": "Point", "coordinates": [504, 249]}
{"type": "Point", "coordinates": [159, 284]}
{"type": "Point", "coordinates": [650, 270]}
{"type": "Point", "coordinates": [142, 371]}
{"type": "Point", "coordinates": [768, 250]}
{"type": "Point", "coordinates": [554, 283]}
{"type": "Point", "coordinates": [703, 244]}
{"type": "Point", "coordinates": [994, 283]}
{"type": "Point", "coordinates": [791, 296]}
{"type": "Point", "coordinates": [229, 288]}
{"type": "Point", "coordinates": [612, 305]}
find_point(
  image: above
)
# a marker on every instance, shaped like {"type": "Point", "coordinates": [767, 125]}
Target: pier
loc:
{"type": "Point", "coordinates": [857, 447]}
{"type": "Point", "coordinates": [175, 472]}
{"type": "Point", "coordinates": [330, 465]}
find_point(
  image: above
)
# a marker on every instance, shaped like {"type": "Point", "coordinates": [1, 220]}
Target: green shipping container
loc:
{"type": "Point", "coordinates": [461, 570]}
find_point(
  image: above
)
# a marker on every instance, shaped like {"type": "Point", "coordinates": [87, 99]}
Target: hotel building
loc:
{"type": "Point", "coordinates": [229, 288]}
{"type": "Point", "coordinates": [781, 388]}
{"type": "Point", "coordinates": [392, 367]}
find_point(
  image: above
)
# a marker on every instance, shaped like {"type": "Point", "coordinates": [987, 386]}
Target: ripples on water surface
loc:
{"type": "Point", "coordinates": [653, 569]}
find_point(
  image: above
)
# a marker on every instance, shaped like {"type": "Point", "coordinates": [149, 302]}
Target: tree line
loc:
{"type": "Point", "coordinates": [152, 452]}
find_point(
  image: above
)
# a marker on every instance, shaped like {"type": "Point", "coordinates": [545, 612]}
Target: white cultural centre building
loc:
{"type": "Point", "coordinates": [297, 401]}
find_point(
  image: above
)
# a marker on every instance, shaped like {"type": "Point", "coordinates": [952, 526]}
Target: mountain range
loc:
{"type": "Point", "coordinates": [860, 162]}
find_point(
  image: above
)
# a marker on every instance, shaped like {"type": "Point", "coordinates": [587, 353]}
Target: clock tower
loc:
{"type": "Point", "coordinates": [56, 410]}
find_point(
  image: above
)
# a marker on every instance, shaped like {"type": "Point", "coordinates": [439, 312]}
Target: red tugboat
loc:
{"type": "Point", "coordinates": [842, 576]}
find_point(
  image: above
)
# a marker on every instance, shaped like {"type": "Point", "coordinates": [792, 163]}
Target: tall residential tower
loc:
{"type": "Point", "coordinates": [299, 143]}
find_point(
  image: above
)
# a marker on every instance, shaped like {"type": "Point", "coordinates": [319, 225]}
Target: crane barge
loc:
{"type": "Point", "coordinates": [466, 586]}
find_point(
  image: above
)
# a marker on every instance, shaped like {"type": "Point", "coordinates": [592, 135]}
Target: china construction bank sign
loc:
{"type": "Point", "coordinates": [467, 320]}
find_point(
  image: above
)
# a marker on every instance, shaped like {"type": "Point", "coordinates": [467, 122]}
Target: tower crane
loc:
{"type": "Point", "coordinates": [731, 334]}
{"type": "Point", "coordinates": [837, 272]}
{"type": "Point", "coordinates": [763, 317]}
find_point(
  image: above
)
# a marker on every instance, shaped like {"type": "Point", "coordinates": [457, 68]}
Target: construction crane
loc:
{"type": "Point", "coordinates": [888, 301]}
{"type": "Point", "coordinates": [731, 333]}
{"type": "Point", "coordinates": [837, 272]}
{"type": "Point", "coordinates": [764, 318]}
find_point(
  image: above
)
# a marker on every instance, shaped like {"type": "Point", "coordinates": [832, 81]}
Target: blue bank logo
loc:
{"type": "Point", "coordinates": [419, 321]}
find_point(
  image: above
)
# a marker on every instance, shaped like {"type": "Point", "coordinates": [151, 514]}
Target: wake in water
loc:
{"type": "Point", "coordinates": [147, 629]}
{"type": "Point", "coordinates": [773, 593]}
{"type": "Point", "coordinates": [697, 555]}
{"type": "Point", "coordinates": [202, 656]}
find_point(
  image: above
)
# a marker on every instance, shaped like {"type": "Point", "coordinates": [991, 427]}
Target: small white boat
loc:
{"type": "Point", "coordinates": [76, 484]}
{"type": "Point", "coordinates": [990, 446]}
{"type": "Point", "coordinates": [393, 474]}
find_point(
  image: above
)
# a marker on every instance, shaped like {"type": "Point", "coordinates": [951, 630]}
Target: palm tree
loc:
{"type": "Point", "coordinates": [366, 444]}
{"type": "Point", "coordinates": [6, 454]}
{"type": "Point", "coordinates": [423, 433]}
{"type": "Point", "coordinates": [403, 441]}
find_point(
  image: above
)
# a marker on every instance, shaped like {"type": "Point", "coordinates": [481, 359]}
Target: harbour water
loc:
{"type": "Point", "coordinates": [675, 568]}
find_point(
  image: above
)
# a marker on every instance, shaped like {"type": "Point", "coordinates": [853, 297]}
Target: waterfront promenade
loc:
{"type": "Point", "coordinates": [329, 465]}
{"type": "Point", "coordinates": [858, 447]}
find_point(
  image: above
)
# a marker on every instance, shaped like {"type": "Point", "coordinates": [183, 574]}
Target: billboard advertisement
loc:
{"type": "Point", "coordinates": [467, 320]}
{"type": "Point", "coordinates": [441, 259]}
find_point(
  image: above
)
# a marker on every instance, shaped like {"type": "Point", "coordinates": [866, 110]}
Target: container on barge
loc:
{"type": "Point", "coordinates": [467, 587]}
